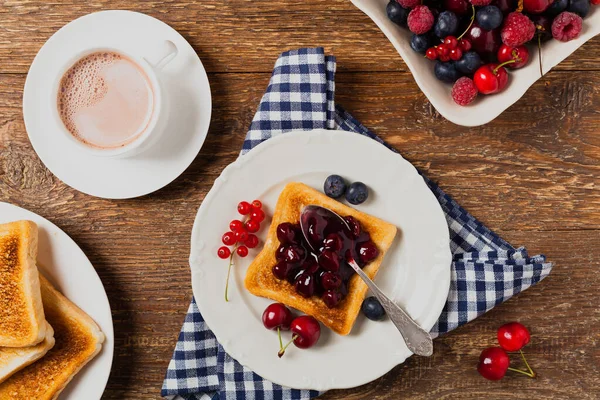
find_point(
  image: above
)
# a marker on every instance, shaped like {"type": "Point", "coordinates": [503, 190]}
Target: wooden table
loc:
{"type": "Point", "coordinates": [532, 175]}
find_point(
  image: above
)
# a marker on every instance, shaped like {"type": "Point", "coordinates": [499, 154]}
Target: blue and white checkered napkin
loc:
{"type": "Point", "coordinates": [486, 270]}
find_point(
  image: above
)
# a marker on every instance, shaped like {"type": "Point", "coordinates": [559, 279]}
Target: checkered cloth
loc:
{"type": "Point", "coordinates": [486, 270]}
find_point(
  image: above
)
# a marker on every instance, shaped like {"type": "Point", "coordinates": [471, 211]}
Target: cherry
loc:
{"type": "Point", "coordinates": [536, 6]}
{"type": "Point", "coordinates": [431, 53]}
{"type": "Point", "coordinates": [277, 316]}
{"type": "Point", "coordinates": [244, 208]}
{"type": "Point", "coordinates": [491, 78]}
{"type": "Point", "coordinates": [493, 363]}
{"type": "Point", "coordinates": [367, 252]}
{"type": "Point", "coordinates": [306, 332]}
{"type": "Point", "coordinates": [458, 7]}
{"type": "Point", "coordinates": [236, 225]}
{"type": "Point", "coordinates": [506, 6]}
{"type": "Point", "coordinates": [229, 239]}
{"type": "Point", "coordinates": [305, 284]}
{"type": "Point", "coordinates": [331, 298]}
{"type": "Point", "coordinates": [223, 252]}
{"type": "Point", "coordinates": [451, 42]}
{"type": "Point", "coordinates": [329, 260]}
{"type": "Point", "coordinates": [241, 236]}
{"type": "Point", "coordinates": [456, 54]}
{"type": "Point", "coordinates": [256, 205]}
{"type": "Point", "coordinates": [257, 214]}
{"type": "Point", "coordinates": [281, 270]}
{"type": "Point", "coordinates": [520, 54]}
{"type": "Point", "coordinates": [242, 251]}
{"type": "Point", "coordinates": [354, 226]}
{"type": "Point", "coordinates": [484, 42]}
{"type": "Point", "coordinates": [252, 226]}
{"type": "Point", "coordinates": [251, 242]}
{"type": "Point", "coordinates": [331, 280]}
{"type": "Point", "coordinates": [513, 336]}
{"type": "Point", "coordinates": [333, 242]}
{"type": "Point", "coordinates": [286, 233]}
{"type": "Point", "coordinates": [464, 45]}
{"type": "Point", "coordinates": [294, 254]}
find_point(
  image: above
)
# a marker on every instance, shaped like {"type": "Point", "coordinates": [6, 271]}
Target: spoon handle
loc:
{"type": "Point", "coordinates": [417, 339]}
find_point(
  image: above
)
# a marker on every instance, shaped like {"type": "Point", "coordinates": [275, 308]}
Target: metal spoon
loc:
{"type": "Point", "coordinates": [417, 339]}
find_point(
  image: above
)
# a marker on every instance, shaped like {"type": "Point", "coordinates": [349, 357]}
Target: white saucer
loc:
{"type": "Point", "coordinates": [68, 268]}
{"type": "Point", "coordinates": [185, 83]}
{"type": "Point", "coordinates": [415, 271]}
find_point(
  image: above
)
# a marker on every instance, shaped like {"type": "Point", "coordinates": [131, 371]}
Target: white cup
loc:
{"type": "Point", "coordinates": [150, 65]}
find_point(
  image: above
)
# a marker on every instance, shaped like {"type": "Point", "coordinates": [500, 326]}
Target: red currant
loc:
{"type": "Point", "coordinates": [451, 42]}
{"type": "Point", "coordinates": [236, 225]}
{"type": "Point", "coordinates": [242, 251]}
{"type": "Point", "coordinates": [455, 54]}
{"type": "Point", "coordinates": [223, 252]}
{"type": "Point", "coordinates": [465, 45]}
{"type": "Point", "coordinates": [241, 236]}
{"type": "Point", "coordinates": [252, 226]}
{"type": "Point", "coordinates": [229, 238]}
{"type": "Point", "coordinates": [256, 204]}
{"type": "Point", "coordinates": [251, 242]}
{"type": "Point", "coordinates": [244, 208]}
{"type": "Point", "coordinates": [513, 336]}
{"type": "Point", "coordinates": [431, 53]}
{"type": "Point", "coordinates": [443, 50]}
{"type": "Point", "coordinates": [258, 215]}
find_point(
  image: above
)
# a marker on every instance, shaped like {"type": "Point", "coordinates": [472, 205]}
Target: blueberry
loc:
{"type": "Point", "coordinates": [446, 71]}
{"type": "Point", "coordinates": [469, 63]}
{"type": "Point", "coordinates": [580, 7]}
{"type": "Point", "coordinates": [357, 193]}
{"type": "Point", "coordinates": [420, 43]}
{"type": "Point", "coordinates": [372, 309]}
{"type": "Point", "coordinates": [557, 7]}
{"type": "Point", "coordinates": [334, 186]}
{"type": "Point", "coordinates": [446, 24]}
{"type": "Point", "coordinates": [396, 13]}
{"type": "Point", "coordinates": [489, 17]}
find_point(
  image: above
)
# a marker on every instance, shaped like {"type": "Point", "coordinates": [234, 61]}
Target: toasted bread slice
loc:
{"type": "Point", "coordinates": [78, 340]}
{"type": "Point", "coordinates": [260, 280]}
{"type": "Point", "coordinates": [22, 321]}
{"type": "Point", "coordinates": [13, 359]}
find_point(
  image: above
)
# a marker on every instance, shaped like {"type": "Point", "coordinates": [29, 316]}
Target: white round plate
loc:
{"type": "Point", "coordinates": [415, 271]}
{"type": "Point", "coordinates": [68, 268]}
{"type": "Point", "coordinates": [184, 82]}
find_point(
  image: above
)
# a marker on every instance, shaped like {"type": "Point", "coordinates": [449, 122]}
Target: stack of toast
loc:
{"type": "Point", "coordinates": [44, 338]}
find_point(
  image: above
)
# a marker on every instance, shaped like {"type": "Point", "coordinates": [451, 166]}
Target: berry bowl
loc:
{"type": "Point", "coordinates": [485, 108]}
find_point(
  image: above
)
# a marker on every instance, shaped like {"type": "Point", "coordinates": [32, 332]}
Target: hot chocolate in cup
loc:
{"type": "Point", "coordinates": [110, 103]}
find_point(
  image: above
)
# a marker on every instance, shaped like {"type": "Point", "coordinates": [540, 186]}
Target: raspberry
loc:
{"type": "Point", "coordinates": [517, 29]}
{"type": "Point", "coordinates": [420, 20]}
{"type": "Point", "coordinates": [409, 3]}
{"type": "Point", "coordinates": [567, 26]}
{"type": "Point", "coordinates": [481, 3]}
{"type": "Point", "coordinates": [464, 91]}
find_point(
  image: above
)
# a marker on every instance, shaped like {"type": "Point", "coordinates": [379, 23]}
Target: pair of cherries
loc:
{"type": "Point", "coordinates": [494, 361]}
{"type": "Point", "coordinates": [306, 330]}
{"type": "Point", "coordinates": [493, 78]}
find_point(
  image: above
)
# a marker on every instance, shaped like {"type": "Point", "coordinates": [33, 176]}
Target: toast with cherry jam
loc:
{"type": "Point", "coordinates": [319, 282]}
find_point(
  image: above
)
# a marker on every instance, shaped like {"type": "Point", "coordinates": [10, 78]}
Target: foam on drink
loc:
{"type": "Point", "coordinates": [105, 100]}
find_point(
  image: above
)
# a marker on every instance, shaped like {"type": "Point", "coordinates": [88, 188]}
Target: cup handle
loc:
{"type": "Point", "coordinates": [163, 55]}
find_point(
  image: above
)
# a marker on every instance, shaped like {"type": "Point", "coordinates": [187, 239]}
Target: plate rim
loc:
{"type": "Point", "coordinates": [238, 163]}
{"type": "Point", "coordinates": [75, 247]}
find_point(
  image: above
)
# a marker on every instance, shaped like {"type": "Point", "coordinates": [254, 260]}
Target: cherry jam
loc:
{"type": "Point", "coordinates": [323, 271]}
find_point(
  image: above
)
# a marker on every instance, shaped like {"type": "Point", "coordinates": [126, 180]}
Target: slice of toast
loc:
{"type": "Point", "coordinates": [260, 280]}
{"type": "Point", "coordinates": [22, 321]}
{"type": "Point", "coordinates": [13, 359]}
{"type": "Point", "coordinates": [78, 340]}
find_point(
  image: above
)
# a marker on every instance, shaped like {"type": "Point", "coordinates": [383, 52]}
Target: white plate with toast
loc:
{"type": "Point", "coordinates": [415, 271]}
{"type": "Point", "coordinates": [80, 318]}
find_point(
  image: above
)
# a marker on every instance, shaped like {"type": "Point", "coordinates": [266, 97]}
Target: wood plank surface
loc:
{"type": "Point", "coordinates": [532, 175]}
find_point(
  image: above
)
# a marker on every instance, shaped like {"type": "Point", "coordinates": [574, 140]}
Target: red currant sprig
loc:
{"type": "Point", "coordinates": [241, 235]}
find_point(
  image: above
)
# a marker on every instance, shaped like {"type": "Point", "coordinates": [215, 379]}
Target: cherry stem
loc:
{"type": "Point", "coordinates": [279, 335]}
{"type": "Point", "coordinates": [521, 372]}
{"type": "Point", "coordinates": [282, 350]}
{"type": "Point", "coordinates": [229, 272]}
{"type": "Point", "coordinates": [526, 363]}
{"type": "Point", "coordinates": [520, 6]}
{"type": "Point", "coordinates": [511, 61]}
{"type": "Point", "coordinates": [540, 52]}
{"type": "Point", "coordinates": [470, 23]}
